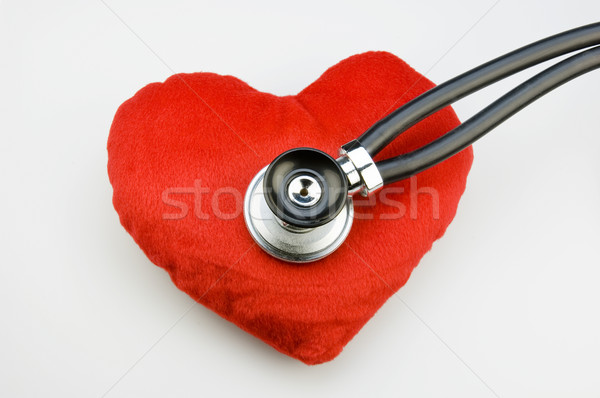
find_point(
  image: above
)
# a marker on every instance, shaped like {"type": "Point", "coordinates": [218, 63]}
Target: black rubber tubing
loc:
{"type": "Point", "coordinates": [461, 137]}
{"type": "Point", "coordinates": [387, 129]}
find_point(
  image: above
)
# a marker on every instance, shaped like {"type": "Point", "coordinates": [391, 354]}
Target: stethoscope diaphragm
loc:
{"type": "Point", "coordinates": [286, 241]}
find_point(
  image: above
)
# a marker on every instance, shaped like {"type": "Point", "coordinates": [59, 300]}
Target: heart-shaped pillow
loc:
{"type": "Point", "coordinates": [181, 156]}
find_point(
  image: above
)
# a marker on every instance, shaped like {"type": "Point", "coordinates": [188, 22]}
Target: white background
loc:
{"type": "Point", "coordinates": [506, 303]}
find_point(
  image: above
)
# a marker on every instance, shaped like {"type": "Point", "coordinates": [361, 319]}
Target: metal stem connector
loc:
{"type": "Point", "coordinates": [360, 169]}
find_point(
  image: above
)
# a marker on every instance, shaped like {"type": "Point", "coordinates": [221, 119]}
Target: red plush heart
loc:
{"type": "Point", "coordinates": [182, 153]}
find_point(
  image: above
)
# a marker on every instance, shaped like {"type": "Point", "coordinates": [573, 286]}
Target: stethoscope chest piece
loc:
{"type": "Point", "coordinates": [298, 209]}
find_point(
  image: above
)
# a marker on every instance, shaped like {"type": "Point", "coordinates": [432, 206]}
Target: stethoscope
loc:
{"type": "Point", "coordinates": [299, 208]}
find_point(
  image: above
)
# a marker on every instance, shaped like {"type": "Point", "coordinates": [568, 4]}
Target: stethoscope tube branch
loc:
{"type": "Point", "coordinates": [461, 137]}
{"type": "Point", "coordinates": [387, 129]}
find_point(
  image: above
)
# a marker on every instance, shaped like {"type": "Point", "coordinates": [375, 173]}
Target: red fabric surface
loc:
{"type": "Point", "coordinates": [182, 153]}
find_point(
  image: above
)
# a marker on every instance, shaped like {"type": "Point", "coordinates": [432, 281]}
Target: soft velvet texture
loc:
{"type": "Point", "coordinates": [181, 156]}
